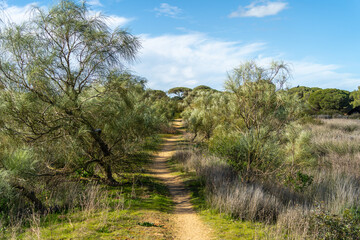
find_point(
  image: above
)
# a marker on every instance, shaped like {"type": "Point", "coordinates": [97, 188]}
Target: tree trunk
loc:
{"type": "Point", "coordinates": [109, 175]}
{"type": "Point", "coordinates": [106, 152]}
{"type": "Point", "coordinates": [38, 205]}
{"type": "Point", "coordinates": [103, 146]}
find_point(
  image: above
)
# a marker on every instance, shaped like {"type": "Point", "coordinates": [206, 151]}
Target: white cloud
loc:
{"type": "Point", "coordinates": [16, 14]}
{"type": "Point", "coordinates": [95, 3]}
{"type": "Point", "coordinates": [323, 75]}
{"type": "Point", "coordinates": [166, 9]}
{"type": "Point", "coordinates": [259, 9]}
{"type": "Point", "coordinates": [114, 21]}
{"type": "Point", "coordinates": [194, 59]}
{"type": "Point", "coordinates": [190, 60]}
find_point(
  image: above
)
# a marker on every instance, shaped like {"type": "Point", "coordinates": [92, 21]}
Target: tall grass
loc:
{"type": "Point", "coordinates": [319, 211]}
{"type": "Point", "coordinates": [89, 200]}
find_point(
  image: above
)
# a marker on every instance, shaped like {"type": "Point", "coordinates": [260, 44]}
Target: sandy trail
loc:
{"type": "Point", "coordinates": [187, 225]}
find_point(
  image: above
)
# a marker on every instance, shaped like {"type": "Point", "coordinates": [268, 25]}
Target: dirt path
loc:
{"type": "Point", "coordinates": [187, 225]}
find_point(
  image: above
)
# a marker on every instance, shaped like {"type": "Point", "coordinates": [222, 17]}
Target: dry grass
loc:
{"type": "Point", "coordinates": [226, 193]}
{"type": "Point", "coordinates": [102, 213]}
{"type": "Point", "coordinates": [335, 186]}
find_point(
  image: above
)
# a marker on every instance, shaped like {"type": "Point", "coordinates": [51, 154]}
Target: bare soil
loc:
{"type": "Point", "coordinates": [186, 223]}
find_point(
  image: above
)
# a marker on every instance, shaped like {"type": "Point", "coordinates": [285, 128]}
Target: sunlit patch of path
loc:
{"type": "Point", "coordinates": [186, 223]}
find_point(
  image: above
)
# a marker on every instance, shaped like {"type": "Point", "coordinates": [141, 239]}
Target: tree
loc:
{"type": "Point", "coordinates": [355, 97]}
{"type": "Point", "coordinates": [258, 114]}
{"type": "Point", "coordinates": [62, 87]}
{"type": "Point", "coordinates": [180, 92]}
{"type": "Point", "coordinates": [205, 111]}
{"type": "Point", "coordinates": [202, 87]}
{"type": "Point", "coordinates": [258, 100]}
{"type": "Point", "coordinates": [156, 94]}
{"type": "Point", "coordinates": [302, 92]}
{"type": "Point", "coordinates": [330, 100]}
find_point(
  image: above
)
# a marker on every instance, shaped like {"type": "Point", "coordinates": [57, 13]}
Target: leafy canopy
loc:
{"type": "Point", "coordinates": [180, 92]}
{"type": "Point", "coordinates": [330, 100]}
{"type": "Point", "coordinates": [66, 104]}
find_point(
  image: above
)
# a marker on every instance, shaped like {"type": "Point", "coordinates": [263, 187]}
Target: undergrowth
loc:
{"type": "Point", "coordinates": [320, 202]}
{"type": "Point", "coordinates": [139, 208]}
{"type": "Point", "coordinates": [106, 213]}
{"type": "Point", "coordinates": [222, 223]}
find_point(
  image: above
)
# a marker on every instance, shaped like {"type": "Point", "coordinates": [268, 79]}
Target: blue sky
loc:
{"type": "Point", "coordinates": [188, 43]}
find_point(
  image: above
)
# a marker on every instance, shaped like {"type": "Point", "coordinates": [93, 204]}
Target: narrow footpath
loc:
{"type": "Point", "coordinates": [186, 223]}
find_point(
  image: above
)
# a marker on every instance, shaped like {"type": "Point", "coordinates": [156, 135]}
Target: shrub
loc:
{"type": "Point", "coordinates": [331, 226]}
{"type": "Point", "coordinates": [248, 153]}
{"type": "Point", "coordinates": [330, 100]}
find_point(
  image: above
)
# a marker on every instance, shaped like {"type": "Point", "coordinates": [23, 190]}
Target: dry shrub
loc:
{"type": "Point", "coordinates": [336, 191]}
{"type": "Point", "coordinates": [226, 193]}
{"type": "Point", "coordinates": [35, 231]}
{"type": "Point", "coordinates": [90, 199]}
{"type": "Point", "coordinates": [270, 202]}
{"type": "Point", "coordinates": [335, 188]}
{"type": "Point", "coordinates": [245, 201]}
{"type": "Point", "coordinates": [293, 223]}
{"type": "Point", "coordinates": [65, 195]}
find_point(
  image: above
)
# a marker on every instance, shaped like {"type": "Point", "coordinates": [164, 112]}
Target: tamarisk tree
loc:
{"type": "Point", "coordinates": [63, 92]}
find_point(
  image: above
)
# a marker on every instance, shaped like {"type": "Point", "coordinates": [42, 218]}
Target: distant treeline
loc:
{"type": "Point", "coordinates": [317, 101]}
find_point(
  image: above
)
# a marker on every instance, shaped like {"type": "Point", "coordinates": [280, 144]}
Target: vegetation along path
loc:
{"type": "Point", "coordinates": [187, 224]}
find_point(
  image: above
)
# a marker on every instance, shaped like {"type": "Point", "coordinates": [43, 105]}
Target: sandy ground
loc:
{"type": "Point", "coordinates": [187, 224]}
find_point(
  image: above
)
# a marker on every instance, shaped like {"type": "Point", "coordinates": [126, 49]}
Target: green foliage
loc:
{"type": "Point", "coordinates": [245, 124]}
{"type": "Point", "coordinates": [18, 166]}
{"type": "Point", "coordinates": [330, 226]}
{"type": "Point", "coordinates": [251, 153]}
{"type": "Point", "coordinates": [251, 134]}
{"type": "Point", "coordinates": [161, 104]}
{"type": "Point", "coordinates": [205, 112]}
{"type": "Point", "coordinates": [298, 147]}
{"type": "Point", "coordinates": [355, 98]}
{"type": "Point", "coordinates": [67, 109]}
{"type": "Point", "coordinates": [202, 88]}
{"type": "Point", "coordinates": [156, 94]}
{"type": "Point", "coordinates": [180, 92]}
{"type": "Point", "coordinates": [302, 92]}
{"type": "Point", "coordinates": [257, 102]}
{"type": "Point", "coordinates": [299, 182]}
{"type": "Point", "coordinates": [330, 100]}
{"type": "Point", "coordinates": [108, 213]}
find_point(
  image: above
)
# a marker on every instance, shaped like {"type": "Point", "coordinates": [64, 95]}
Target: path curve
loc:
{"type": "Point", "coordinates": [187, 224]}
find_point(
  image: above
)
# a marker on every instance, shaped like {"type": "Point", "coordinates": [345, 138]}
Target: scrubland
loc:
{"type": "Point", "coordinates": [324, 204]}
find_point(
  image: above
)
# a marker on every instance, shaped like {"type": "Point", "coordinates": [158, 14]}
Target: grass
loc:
{"type": "Point", "coordinates": [272, 210]}
{"type": "Point", "coordinates": [139, 209]}
{"type": "Point", "coordinates": [223, 225]}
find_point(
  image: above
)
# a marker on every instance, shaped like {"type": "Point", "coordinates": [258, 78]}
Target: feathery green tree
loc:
{"type": "Point", "coordinates": [65, 98]}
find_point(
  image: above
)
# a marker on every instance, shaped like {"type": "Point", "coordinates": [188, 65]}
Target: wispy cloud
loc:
{"type": "Point", "coordinates": [190, 59]}
{"type": "Point", "coordinates": [95, 3]}
{"type": "Point", "coordinates": [259, 9]}
{"type": "Point", "coordinates": [323, 75]}
{"type": "Point", "coordinates": [166, 9]}
{"type": "Point", "coordinates": [20, 14]}
{"type": "Point", "coordinates": [16, 14]}
{"type": "Point", "coordinates": [114, 21]}
{"type": "Point", "coordinates": [194, 59]}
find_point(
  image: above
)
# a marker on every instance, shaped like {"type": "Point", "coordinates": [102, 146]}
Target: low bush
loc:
{"type": "Point", "coordinates": [344, 226]}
